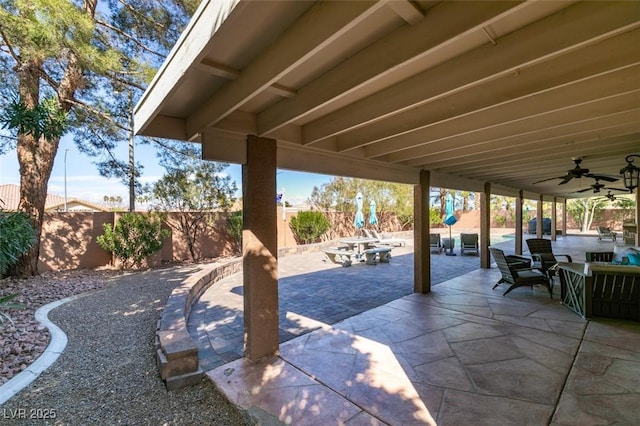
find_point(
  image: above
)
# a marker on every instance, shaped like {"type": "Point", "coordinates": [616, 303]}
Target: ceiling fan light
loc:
{"type": "Point", "coordinates": [630, 173]}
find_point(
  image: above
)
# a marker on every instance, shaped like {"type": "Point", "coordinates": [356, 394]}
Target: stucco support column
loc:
{"type": "Point", "coordinates": [539, 221]}
{"type": "Point", "coordinates": [260, 249]}
{"type": "Point", "coordinates": [564, 218]}
{"type": "Point", "coordinates": [485, 226]}
{"type": "Point", "coordinates": [421, 231]}
{"type": "Point", "coordinates": [519, 224]}
{"type": "Point", "coordinates": [637, 218]}
{"type": "Point", "coordinates": [553, 219]}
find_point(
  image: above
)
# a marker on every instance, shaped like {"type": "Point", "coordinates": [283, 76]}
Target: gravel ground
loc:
{"type": "Point", "coordinates": [107, 374]}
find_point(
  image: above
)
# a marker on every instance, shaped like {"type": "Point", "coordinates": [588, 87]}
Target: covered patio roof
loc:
{"type": "Point", "coordinates": [500, 92]}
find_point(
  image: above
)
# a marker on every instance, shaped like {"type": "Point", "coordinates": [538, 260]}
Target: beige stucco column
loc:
{"type": "Point", "coordinates": [539, 221]}
{"type": "Point", "coordinates": [553, 219]}
{"type": "Point", "coordinates": [637, 217]}
{"type": "Point", "coordinates": [519, 222]}
{"type": "Point", "coordinates": [485, 226]}
{"type": "Point", "coordinates": [421, 231]}
{"type": "Point", "coordinates": [260, 249]}
{"type": "Point", "coordinates": [564, 218]}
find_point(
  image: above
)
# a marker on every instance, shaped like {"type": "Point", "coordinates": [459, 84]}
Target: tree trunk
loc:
{"type": "Point", "coordinates": [36, 156]}
{"type": "Point", "coordinates": [36, 162]}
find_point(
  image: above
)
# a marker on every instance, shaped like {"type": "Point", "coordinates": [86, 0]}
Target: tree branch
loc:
{"type": "Point", "coordinates": [99, 113]}
{"type": "Point", "coordinates": [115, 77]}
{"type": "Point", "coordinates": [135, 13]}
{"type": "Point", "coordinates": [12, 52]}
{"type": "Point", "coordinates": [128, 37]}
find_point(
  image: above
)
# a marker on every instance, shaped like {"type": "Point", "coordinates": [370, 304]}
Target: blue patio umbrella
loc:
{"type": "Point", "coordinates": [449, 220]}
{"type": "Point", "coordinates": [373, 218]}
{"type": "Point", "coordinates": [359, 220]}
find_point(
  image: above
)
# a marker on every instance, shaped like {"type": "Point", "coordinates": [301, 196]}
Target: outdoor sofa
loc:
{"type": "Point", "coordinates": [607, 285]}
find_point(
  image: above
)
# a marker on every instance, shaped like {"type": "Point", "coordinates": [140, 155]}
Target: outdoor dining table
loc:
{"type": "Point", "coordinates": [358, 244]}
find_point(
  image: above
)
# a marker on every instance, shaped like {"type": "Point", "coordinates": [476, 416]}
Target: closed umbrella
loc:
{"type": "Point", "coordinates": [359, 220]}
{"type": "Point", "coordinates": [449, 220]}
{"type": "Point", "coordinates": [373, 218]}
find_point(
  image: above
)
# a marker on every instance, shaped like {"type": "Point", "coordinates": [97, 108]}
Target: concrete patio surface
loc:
{"type": "Point", "coordinates": [370, 351]}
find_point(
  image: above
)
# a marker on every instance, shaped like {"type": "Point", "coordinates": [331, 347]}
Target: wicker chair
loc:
{"type": "Point", "coordinates": [514, 274]}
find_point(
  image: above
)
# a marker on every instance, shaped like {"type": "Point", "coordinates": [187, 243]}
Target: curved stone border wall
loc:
{"type": "Point", "coordinates": [176, 352]}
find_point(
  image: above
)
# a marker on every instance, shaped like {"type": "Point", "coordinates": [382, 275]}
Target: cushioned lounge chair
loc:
{"type": "Point", "coordinates": [469, 243]}
{"type": "Point", "coordinates": [606, 232]}
{"type": "Point", "coordinates": [436, 243]}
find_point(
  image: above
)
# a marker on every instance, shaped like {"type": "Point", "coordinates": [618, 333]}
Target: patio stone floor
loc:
{"type": "Point", "coordinates": [462, 354]}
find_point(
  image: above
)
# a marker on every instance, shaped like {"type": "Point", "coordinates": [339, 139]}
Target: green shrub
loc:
{"type": "Point", "coordinates": [234, 228]}
{"type": "Point", "coordinates": [434, 216]}
{"type": "Point", "coordinates": [16, 238]}
{"type": "Point", "coordinates": [133, 238]}
{"type": "Point", "coordinates": [308, 227]}
{"type": "Point", "coordinates": [500, 221]}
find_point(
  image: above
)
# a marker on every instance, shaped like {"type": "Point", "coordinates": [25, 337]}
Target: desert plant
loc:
{"type": "Point", "coordinates": [234, 229]}
{"type": "Point", "coordinates": [500, 220]}
{"type": "Point", "coordinates": [133, 238]}
{"type": "Point", "coordinates": [309, 226]}
{"type": "Point", "coordinates": [4, 304]}
{"type": "Point", "coordinates": [16, 237]}
{"type": "Point", "coordinates": [434, 216]}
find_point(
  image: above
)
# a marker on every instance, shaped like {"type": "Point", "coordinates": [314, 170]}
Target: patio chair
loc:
{"type": "Point", "coordinates": [469, 243]}
{"type": "Point", "coordinates": [606, 232]}
{"type": "Point", "coordinates": [436, 243]}
{"type": "Point", "coordinates": [517, 275]}
{"type": "Point", "coordinates": [543, 256]}
{"type": "Point", "coordinates": [599, 256]}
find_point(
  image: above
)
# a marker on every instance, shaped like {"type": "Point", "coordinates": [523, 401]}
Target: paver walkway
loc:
{"type": "Point", "coordinates": [313, 292]}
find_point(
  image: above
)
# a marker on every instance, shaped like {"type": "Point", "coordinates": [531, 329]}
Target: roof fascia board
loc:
{"type": "Point", "coordinates": [186, 53]}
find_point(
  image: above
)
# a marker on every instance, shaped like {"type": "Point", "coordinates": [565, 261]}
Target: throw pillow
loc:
{"type": "Point", "coordinates": [634, 258]}
{"type": "Point", "coordinates": [621, 253]}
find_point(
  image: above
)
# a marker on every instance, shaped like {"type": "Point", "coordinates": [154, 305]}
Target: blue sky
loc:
{"type": "Point", "coordinates": [84, 182]}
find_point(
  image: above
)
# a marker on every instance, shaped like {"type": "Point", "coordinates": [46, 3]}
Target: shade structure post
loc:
{"type": "Point", "coordinates": [260, 249]}
{"type": "Point", "coordinates": [421, 230]}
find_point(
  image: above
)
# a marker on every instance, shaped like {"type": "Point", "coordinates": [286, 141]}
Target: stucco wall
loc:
{"type": "Point", "coordinates": [69, 240]}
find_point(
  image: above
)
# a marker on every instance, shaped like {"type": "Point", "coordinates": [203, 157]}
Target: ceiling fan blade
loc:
{"type": "Point", "coordinates": [584, 190]}
{"type": "Point", "coordinates": [546, 180]}
{"type": "Point", "coordinates": [617, 189]}
{"type": "Point", "coordinates": [566, 179]}
{"type": "Point", "coordinates": [603, 177]}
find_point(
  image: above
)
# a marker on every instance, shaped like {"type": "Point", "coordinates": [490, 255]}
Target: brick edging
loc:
{"type": "Point", "coordinates": [176, 352]}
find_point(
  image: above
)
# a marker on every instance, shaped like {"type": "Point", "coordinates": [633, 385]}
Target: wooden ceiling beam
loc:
{"type": "Point", "coordinates": [548, 134]}
{"type": "Point", "coordinates": [445, 22]}
{"type": "Point", "coordinates": [555, 35]}
{"type": "Point", "coordinates": [298, 44]}
{"type": "Point", "coordinates": [532, 85]}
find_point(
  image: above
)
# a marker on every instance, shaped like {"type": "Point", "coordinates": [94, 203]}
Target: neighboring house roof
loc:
{"type": "Point", "coordinates": [10, 196]}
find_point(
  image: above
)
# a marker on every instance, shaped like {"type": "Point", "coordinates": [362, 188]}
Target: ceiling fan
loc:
{"type": "Point", "coordinates": [578, 172]}
{"type": "Point", "coordinates": [598, 186]}
{"type": "Point", "coordinates": [610, 196]}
